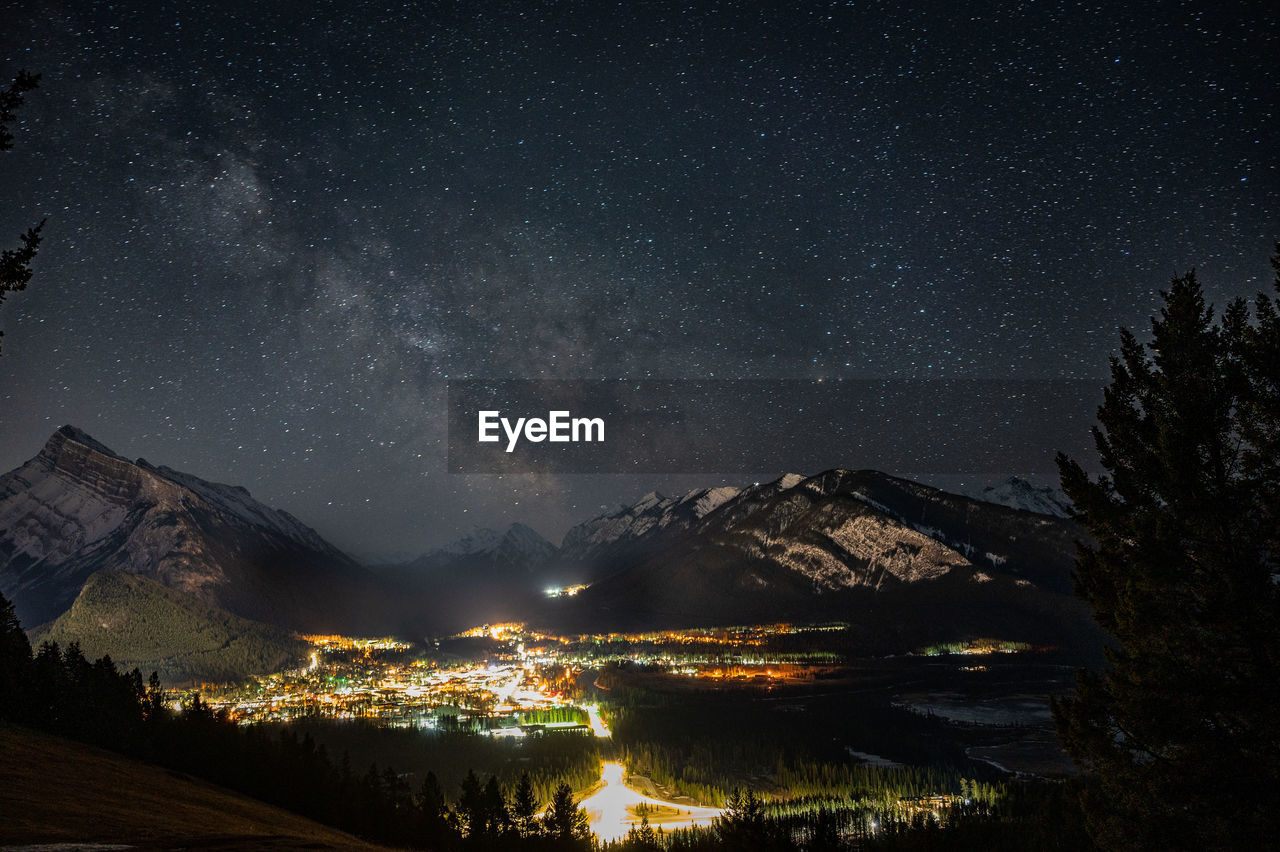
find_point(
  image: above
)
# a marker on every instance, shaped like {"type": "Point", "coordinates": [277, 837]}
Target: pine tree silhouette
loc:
{"type": "Point", "coordinates": [15, 264]}
{"type": "Point", "coordinates": [1178, 732]}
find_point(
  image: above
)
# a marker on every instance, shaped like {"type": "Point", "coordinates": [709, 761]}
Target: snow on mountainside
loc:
{"type": "Point", "coordinates": [708, 500]}
{"type": "Point", "coordinates": [653, 514]}
{"type": "Point", "coordinates": [522, 544]}
{"type": "Point", "coordinates": [831, 546]}
{"type": "Point", "coordinates": [236, 500]}
{"type": "Point", "coordinates": [1017, 493]}
{"type": "Point", "coordinates": [480, 540]}
{"type": "Point", "coordinates": [790, 480]}
{"type": "Point", "coordinates": [516, 545]}
{"type": "Point", "coordinates": [835, 530]}
{"type": "Point", "coordinates": [78, 507]}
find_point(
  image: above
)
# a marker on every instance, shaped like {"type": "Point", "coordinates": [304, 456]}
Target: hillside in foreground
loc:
{"type": "Point", "coordinates": [54, 790]}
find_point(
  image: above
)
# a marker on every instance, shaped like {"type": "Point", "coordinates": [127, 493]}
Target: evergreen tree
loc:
{"type": "Point", "coordinates": [10, 99]}
{"type": "Point", "coordinates": [153, 707]}
{"type": "Point", "coordinates": [1178, 731]}
{"type": "Point", "coordinates": [15, 264]}
{"type": "Point", "coordinates": [565, 821]}
{"type": "Point", "coordinates": [743, 822]}
{"type": "Point", "coordinates": [471, 805]}
{"type": "Point", "coordinates": [497, 820]}
{"type": "Point", "coordinates": [643, 838]}
{"type": "Point", "coordinates": [432, 814]}
{"type": "Point", "coordinates": [524, 807]}
{"type": "Point", "coordinates": [15, 664]}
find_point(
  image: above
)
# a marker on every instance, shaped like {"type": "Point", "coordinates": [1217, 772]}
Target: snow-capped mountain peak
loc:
{"type": "Point", "coordinates": [647, 502]}
{"type": "Point", "coordinates": [517, 544]}
{"type": "Point", "coordinates": [479, 540]}
{"type": "Point", "coordinates": [1018, 493]}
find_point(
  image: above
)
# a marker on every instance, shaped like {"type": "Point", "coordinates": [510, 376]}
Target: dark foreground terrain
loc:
{"type": "Point", "coordinates": [55, 790]}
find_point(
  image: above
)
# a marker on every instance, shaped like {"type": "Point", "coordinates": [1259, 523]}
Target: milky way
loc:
{"type": "Point", "coordinates": [276, 230]}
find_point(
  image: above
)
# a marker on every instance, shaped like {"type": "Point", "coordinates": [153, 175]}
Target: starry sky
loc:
{"type": "Point", "coordinates": [275, 231]}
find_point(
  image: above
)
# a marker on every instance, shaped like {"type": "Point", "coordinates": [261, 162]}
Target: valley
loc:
{"type": "Point", "coordinates": [848, 647]}
{"type": "Point", "coordinates": [646, 703]}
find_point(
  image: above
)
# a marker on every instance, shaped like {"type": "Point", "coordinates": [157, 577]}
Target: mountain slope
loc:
{"type": "Point", "coordinates": [596, 547]}
{"type": "Point", "coordinates": [904, 562]}
{"type": "Point", "coordinates": [78, 508]}
{"type": "Point", "coordinates": [142, 624]}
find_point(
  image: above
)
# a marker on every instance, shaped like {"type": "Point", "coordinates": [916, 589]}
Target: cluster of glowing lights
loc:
{"type": "Point", "coordinates": [333, 642]}
{"type": "Point", "coordinates": [565, 591]}
{"type": "Point", "coordinates": [500, 632]}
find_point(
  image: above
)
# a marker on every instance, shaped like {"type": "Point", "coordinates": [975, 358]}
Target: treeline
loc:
{"type": "Point", "coordinates": [553, 715]}
{"type": "Point", "coordinates": [548, 760]}
{"type": "Point", "coordinates": [703, 745]}
{"type": "Point", "coordinates": [697, 773]}
{"type": "Point", "coordinates": [185, 639]}
{"type": "Point", "coordinates": [1031, 817]}
{"type": "Point", "coordinates": [709, 652]}
{"type": "Point", "coordinates": [985, 646]}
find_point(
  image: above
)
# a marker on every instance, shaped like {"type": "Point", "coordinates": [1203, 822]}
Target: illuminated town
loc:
{"type": "Point", "coordinates": [501, 678]}
{"type": "Point", "coordinates": [509, 681]}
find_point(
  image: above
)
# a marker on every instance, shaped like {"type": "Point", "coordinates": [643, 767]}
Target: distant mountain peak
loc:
{"type": "Point", "coordinates": [602, 538]}
{"type": "Point", "coordinates": [520, 533]}
{"type": "Point", "coordinates": [517, 545]}
{"type": "Point", "coordinates": [487, 540]}
{"type": "Point", "coordinates": [704, 501]}
{"type": "Point", "coordinates": [1018, 493]}
{"type": "Point", "coordinates": [478, 540]}
{"type": "Point", "coordinates": [899, 558]}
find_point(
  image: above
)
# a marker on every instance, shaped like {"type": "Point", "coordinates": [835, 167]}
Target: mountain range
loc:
{"type": "Point", "coordinates": [905, 562]}
{"type": "Point", "coordinates": [515, 549]}
{"type": "Point", "coordinates": [171, 567]}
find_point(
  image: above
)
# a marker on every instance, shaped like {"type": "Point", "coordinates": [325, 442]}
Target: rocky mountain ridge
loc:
{"type": "Point", "coordinates": [77, 508]}
{"type": "Point", "coordinates": [517, 546]}
{"type": "Point", "coordinates": [1017, 493]}
{"type": "Point", "coordinates": [841, 545]}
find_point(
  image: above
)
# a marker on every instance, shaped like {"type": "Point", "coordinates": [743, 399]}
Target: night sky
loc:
{"type": "Point", "coordinates": [276, 229]}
